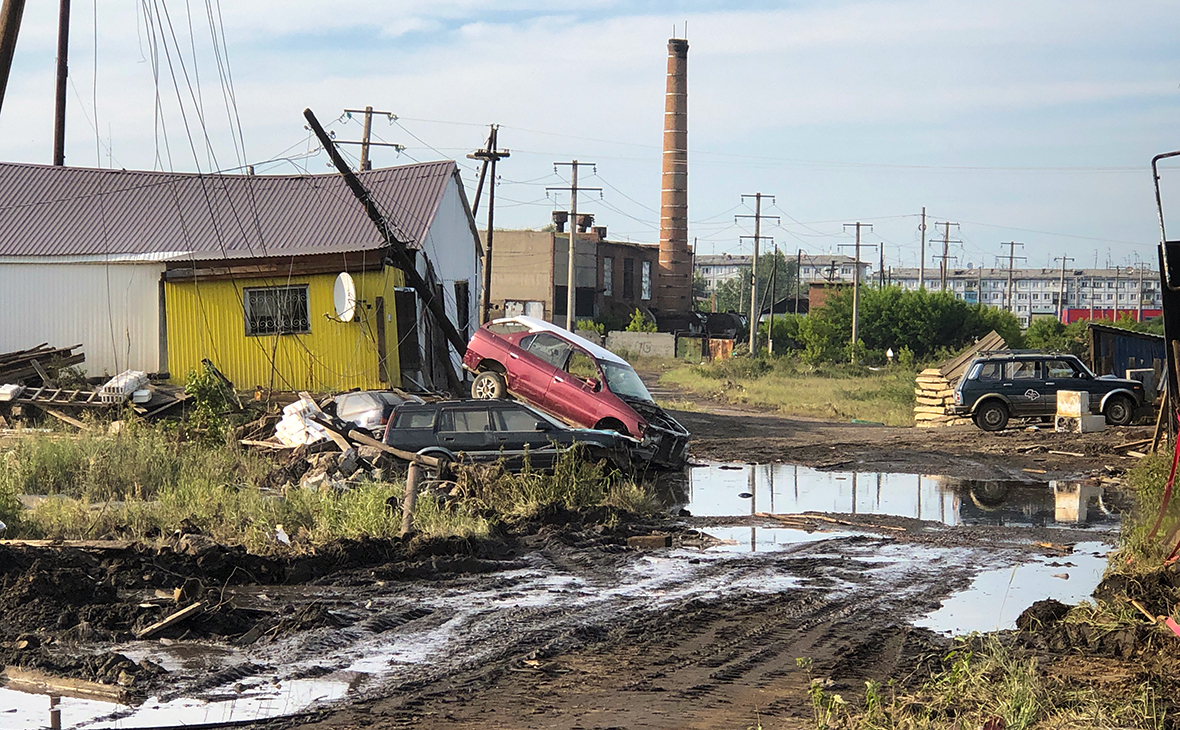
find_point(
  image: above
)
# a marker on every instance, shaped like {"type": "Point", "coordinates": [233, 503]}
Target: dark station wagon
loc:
{"type": "Point", "coordinates": [487, 431]}
{"type": "Point", "coordinates": [998, 386]}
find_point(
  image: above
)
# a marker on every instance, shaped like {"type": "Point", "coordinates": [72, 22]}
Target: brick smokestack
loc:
{"type": "Point", "coordinates": [674, 287]}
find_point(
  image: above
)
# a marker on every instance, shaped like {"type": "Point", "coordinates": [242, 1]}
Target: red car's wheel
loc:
{"type": "Point", "coordinates": [489, 385]}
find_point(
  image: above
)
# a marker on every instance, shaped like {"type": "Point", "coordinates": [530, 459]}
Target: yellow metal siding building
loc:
{"type": "Point", "coordinates": [206, 318]}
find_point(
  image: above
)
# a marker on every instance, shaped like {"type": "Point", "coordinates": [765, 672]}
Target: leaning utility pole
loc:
{"type": "Point", "coordinates": [10, 14]}
{"type": "Point", "coordinates": [1008, 303]}
{"type": "Point", "coordinates": [1061, 289]}
{"type": "Point", "coordinates": [570, 319]}
{"type": "Point", "coordinates": [755, 312]}
{"type": "Point", "coordinates": [59, 115]}
{"type": "Point", "coordinates": [856, 283]}
{"type": "Point", "coordinates": [397, 250]}
{"type": "Point", "coordinates": [922, 260]}
{"type": "Point", "coordinates": [491, 156]}
{"type": "Point", "coordinates": [946, 242]}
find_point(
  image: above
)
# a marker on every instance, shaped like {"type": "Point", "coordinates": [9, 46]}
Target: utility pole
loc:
{"type": "Point", "coordinates": [1008, 303]}
{"type": "Point", "coordinates": [570, 319]}
{"type": "Point", "coordinates": [881, 267]}
{"type": "Point", "coordinates": [856, 283]}
{"type": "Point", "coordinates": [798, 278]}
{"type": "Point", "coordinates": [59, 116]}
{"type": "Point", "coordinates": [491, 156]}
{"type": "Point", "coordinates": [1115, 312]}
{"type": "Point", "coordinates": [946, 242]}
{"type": "Point", "coordinates": [366, 136]}
{"type": "Point", "coordinates": [1139, 313]}
{"type": "Point", "coordinates": [1061, 289]}
{"type": "Point", "coordinates": [755, 312]}
{"type": "Point", "coordinates": [10, 14]}
{"type": "Point", "coordinates": [922, 261]}
{"type": "Point", "coordinates": [773, 301]}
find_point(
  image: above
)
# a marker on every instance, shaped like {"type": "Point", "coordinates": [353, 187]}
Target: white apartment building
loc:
{"type": "Point", "coordinates": [1036, 292]}
{"type": "Point", "coordinates": [812, 268]}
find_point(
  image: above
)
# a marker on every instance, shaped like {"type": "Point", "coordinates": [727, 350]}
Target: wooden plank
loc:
{"type": "Point", "coordinates": [63, 417]}
{"type": "Point", "coordinates": [368, 440]}
{"type": "Point", "coordinates": [38, 682]}
{"type": "Point", "coordinates": [170, 620]}
{"type": "Point", "coordinates": [264, 444]}
{"type": "Point", "coordinates": [937, 410]}
{"type": "Point", "coordinates": [76, 544]}
{"type": "Point", "coordinates": [924, 401]}
{"type": "Point", "coordinates": [36, 365]}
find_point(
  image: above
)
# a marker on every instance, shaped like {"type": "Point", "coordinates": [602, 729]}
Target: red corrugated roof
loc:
{"type": "Point", "coordinates": [72, 211]}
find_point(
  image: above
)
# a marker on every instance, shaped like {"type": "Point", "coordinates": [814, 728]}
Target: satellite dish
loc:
{"type": "Point", "coordinates": [344, 297]}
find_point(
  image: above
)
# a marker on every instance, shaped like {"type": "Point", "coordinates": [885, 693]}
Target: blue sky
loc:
{"type": "Point", "coordinates": [1033, 122]}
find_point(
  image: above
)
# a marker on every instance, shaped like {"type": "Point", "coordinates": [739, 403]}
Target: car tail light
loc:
{"type": "Point", "coordinates": [958, 397]}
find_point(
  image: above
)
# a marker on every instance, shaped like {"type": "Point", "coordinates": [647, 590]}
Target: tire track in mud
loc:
{"type": "Point", "coordinates": [701, 660]}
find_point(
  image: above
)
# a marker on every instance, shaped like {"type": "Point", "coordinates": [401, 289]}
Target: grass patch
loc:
{"type": "Point", "coordinates": [983, 681]}
{"type": "Point", "coordinates": [146, 482]}
{"type": "Point", "coordinates": [836, 392]}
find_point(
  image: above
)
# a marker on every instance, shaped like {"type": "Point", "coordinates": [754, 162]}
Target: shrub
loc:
{"type": "Point", "coordinates": [640, 323]}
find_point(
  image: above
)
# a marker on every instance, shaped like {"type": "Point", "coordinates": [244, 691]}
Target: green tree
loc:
{"type": "Point", "coordinates": [927, 322]}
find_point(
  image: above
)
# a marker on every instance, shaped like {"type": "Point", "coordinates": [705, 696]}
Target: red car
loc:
{"type": "Point", "coordinates": [575, 380]}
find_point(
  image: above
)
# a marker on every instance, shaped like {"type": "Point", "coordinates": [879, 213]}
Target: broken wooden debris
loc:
{"type": "Point", "coordinates": [649, 542]}
{"type": "Point", "coordinates": [170, 620]}
{"type": "Point", "coordinates": [38, 682]}
{"type": "Point", "coordinates": [1067, 453]}
{"type": "Point", "coordinates": [824, 518]}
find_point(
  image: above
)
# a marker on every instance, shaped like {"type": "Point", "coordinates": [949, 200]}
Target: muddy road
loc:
{"type": "Point", "coordinates": [562, 621]}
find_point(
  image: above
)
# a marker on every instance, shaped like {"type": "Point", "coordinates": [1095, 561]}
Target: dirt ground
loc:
{"type": "Point", "coordinates": [556, 622]}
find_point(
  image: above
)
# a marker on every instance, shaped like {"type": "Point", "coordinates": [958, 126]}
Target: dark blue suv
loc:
{"type": "Point", "coordinates": [1019, 384]}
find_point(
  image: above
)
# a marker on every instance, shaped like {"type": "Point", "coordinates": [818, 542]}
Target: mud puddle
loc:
{"type": "Point", "coordinates": [997, 597]}
{"type": "Point", "coordinates": [724, 490]}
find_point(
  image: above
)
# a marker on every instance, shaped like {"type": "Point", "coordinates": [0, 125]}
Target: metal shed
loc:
{"type": "Point", "coordinates": [1114, 350]}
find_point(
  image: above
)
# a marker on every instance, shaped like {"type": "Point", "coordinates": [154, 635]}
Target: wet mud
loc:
{"type": "Point", "coordinates": [561, 620]}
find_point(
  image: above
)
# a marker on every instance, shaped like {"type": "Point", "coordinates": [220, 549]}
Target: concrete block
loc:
{"type": "Point", "coordinates": [1073, 403]}
{"type": "Point", "coordinates": [650, 542]}
{"type": "Point", "coordinates": [650, 344]}
{"type": "Point", "coordinates": [1085, 423]}
{"type": "Point", "coordinates": [590, 335]}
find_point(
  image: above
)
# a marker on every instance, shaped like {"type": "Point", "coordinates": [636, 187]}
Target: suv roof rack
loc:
{"type": "Point", "coordinates": [1024, 352]}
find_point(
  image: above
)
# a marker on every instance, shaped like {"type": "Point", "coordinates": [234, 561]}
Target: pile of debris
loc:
{"type": "Point", "coordinates": [39, 378]}
{"type": "Point", "coordinates": [935, 391]}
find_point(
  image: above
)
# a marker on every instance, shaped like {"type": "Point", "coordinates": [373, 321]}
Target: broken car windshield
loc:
{"type": "Point", "coordinates": [623, 381]}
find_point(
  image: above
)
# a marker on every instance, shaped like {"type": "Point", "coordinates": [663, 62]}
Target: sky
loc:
{"type": "Point", "coordinates": [1028, 122]}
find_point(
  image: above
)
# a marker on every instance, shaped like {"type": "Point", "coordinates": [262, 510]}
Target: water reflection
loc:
{"type": "Point", "coordinates": [722, 490]}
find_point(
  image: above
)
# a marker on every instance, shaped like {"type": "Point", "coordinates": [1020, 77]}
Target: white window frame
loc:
{"type": "Point", "coordinates": [645, 280]}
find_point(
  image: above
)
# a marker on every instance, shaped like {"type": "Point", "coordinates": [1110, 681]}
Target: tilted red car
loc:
{"type": "Point", "coordinates": [575, 380]}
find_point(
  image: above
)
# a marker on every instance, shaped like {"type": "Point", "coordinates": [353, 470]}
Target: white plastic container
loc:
{"type": "Point", "coordinates": [11, 391]}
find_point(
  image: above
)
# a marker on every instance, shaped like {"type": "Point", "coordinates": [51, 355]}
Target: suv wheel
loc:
{"type": "Point", "coordinates": [992, 416]}
{"type": "Point", "coordinates": [488, 385]}
{"type": "Point", "coordinates": [1119, 411]}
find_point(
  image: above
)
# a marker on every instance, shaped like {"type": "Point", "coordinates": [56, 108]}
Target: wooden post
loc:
{"type": "Point", "coordinates": [10, 17]}
{"type": "Point", "coordinates": [1159, 419]}
{"type": "Point", "coordinates": [413, 478]}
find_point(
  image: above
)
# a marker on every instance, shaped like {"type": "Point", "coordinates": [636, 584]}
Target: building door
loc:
{"type": "Point", "coordinates": [408, 352]}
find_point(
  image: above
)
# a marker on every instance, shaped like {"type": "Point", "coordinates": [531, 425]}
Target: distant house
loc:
{"type": "Point", "coordinates": [155, 271]}
{"type": "Point", "coordinates": [530, 274]}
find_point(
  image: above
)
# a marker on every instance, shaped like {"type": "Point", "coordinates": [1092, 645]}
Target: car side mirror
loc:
{"type": "Point", "coordinates": [544, 426]}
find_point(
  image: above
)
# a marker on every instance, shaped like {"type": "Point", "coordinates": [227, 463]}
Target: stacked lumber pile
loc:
{"type": "Point", "coordinates": [934, 395]}
{"type": "Point", "coordinates": [23, 365]}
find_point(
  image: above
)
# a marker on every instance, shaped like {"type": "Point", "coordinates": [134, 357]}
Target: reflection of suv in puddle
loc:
{"type": "Point", "coordinates": [1020, 384]}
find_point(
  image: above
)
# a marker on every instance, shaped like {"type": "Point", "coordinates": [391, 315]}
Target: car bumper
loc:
{"type": "Point", "coordinates": [959, 410]}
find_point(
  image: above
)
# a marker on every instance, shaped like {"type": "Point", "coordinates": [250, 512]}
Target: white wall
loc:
{"type": "Point", "coordinates": [112, 310]}
{"type": "Point", "coordinates": [451, 247]}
